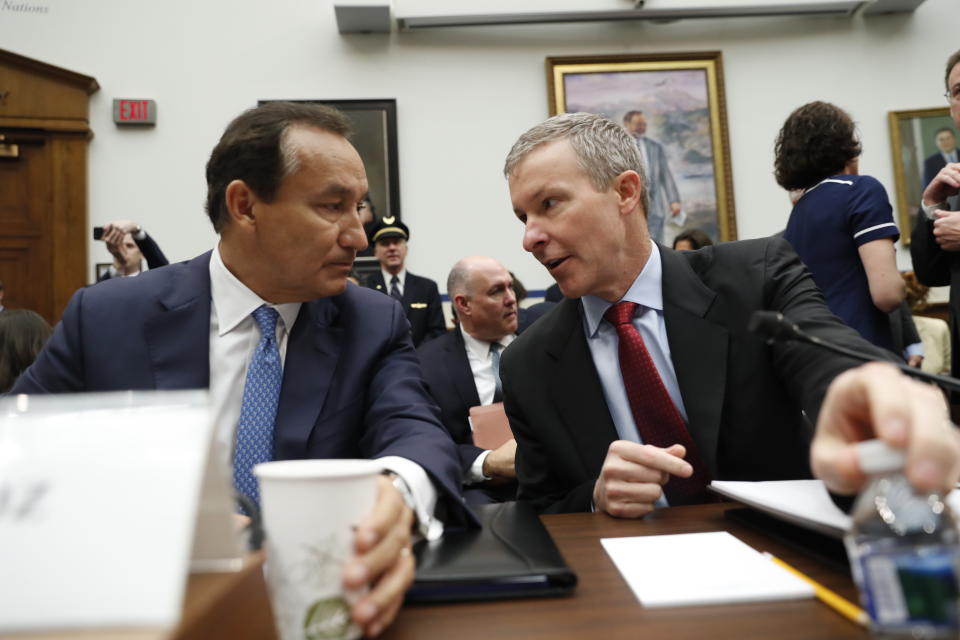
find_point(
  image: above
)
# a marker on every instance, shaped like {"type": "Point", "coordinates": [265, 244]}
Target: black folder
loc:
{"type": "Point", "coordinates": [513, 556]}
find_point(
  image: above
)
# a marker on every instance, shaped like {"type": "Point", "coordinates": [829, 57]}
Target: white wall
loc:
{"type": "Point", "coordinates": [463, 97]}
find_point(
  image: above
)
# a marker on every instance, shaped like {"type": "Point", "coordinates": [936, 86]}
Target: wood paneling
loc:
{"type": "Point", "coordinates": [44, 110]}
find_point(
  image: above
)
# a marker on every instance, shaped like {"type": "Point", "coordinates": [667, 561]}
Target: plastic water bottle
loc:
{"type": "Point", "coordinates": [903, 549]}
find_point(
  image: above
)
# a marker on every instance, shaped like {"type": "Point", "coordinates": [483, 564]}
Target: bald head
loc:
{"type": "Point", "coordinates": [481, 291]}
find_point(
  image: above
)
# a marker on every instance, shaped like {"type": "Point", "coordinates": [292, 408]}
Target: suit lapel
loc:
{"type": "Point", "coordinates": [698, 349]}
{"type": "Point", "coordinates": [313, 351]}
{"type": "Point", "coordinates": [179, 336]}
{"type": "Point", "coordinates": [458, 367]}
{"type": "Point", "coordinates": [575, 388]}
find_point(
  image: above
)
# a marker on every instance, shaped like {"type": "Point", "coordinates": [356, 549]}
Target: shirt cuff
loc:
{"type": "Point", "coordinates": [929, 209]}
{"type": "Point", "coordinates": [475, 474]}
{"type": "Point", "coordinates": [423, 494]}
{"type": "Point", "coordinates": [915, 349]}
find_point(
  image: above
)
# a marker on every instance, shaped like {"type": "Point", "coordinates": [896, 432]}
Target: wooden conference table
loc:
{"type": "Point", "coordinates": [603, 607]}
{"type": "Point", "coordinates": [234, 606]}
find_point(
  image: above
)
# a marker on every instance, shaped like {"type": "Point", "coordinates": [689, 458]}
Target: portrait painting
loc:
{"type": "Point", "coordinates": [921, 141]}
{"type": "Point", "coordinates": [673, 106]}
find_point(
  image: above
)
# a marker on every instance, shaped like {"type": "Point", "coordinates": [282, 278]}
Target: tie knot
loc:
{"type": "Point", "coordinates": [395, 280]}
{"type": "Point", "coordinates": [620, 313]}
{"type": "Point", "coordinates": [495, 347]}
{"type": "Point", "coordinates": [266, 318]}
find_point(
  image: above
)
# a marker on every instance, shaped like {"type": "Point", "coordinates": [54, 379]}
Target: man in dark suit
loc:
{"type": "Point", "coordinates": [461, 369]}
{"type": "Point", "coordinates": [935, 241]}
{"type": "Point", "coordinates": [645, 384]}
{"type": "Point", "coordinates": [947, 152]}
{"type": "Point", "coordinates": [130, 245]}
{"type": "Point", "coordinates": [284, 188]}
{"type": "Point", "coordinates": [419, 296]}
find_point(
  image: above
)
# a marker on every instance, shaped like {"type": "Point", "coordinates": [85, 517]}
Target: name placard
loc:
{"type": "Point", "coordinates": [99, 498]}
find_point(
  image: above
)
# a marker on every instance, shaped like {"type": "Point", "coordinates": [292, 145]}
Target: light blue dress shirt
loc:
{"type": "Point", "coordinates": [646, 291]}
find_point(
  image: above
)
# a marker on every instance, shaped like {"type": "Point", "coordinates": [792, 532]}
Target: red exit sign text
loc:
{"type": "Point", "coordinates": [134, 111]}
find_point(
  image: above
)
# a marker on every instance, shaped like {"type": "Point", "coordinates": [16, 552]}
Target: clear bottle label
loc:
{"type": "Point", "coordinates": [911, 586]}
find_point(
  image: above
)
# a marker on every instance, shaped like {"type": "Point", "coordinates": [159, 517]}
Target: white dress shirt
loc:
{"type": "Point", "coordinates": [481, 365]}
{"type": "Point", "coordinates": [602, 339]}
{"type": "Point", "coordinates": [234, 336]}
{"type": "Point", "coordinates": [401, 279]}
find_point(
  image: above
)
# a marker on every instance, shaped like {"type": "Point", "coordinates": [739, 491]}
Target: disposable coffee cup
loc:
{"type": "Point", "coordinates": [310, 510]}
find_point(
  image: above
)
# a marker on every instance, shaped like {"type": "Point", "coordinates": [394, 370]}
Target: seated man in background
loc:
{"type": "Point", "coordinates": [419, 296]}
{"type": "Point", "coordinates": [299, 363]}
{"type": "Point", "coordinates": [129, 244]}
{"type": "Point", "coordinates": [461, 369]}
{"type": "Point", "coordinates": [645, 384]}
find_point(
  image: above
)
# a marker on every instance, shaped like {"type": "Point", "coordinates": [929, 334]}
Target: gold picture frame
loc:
{"type": "Point", "coordinates": [912, 143]}
{"type": "Point", "coordinates": [681, 97]}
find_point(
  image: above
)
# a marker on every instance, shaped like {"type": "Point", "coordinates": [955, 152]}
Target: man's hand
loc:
{"type": "Point", "coordinates": [499, 463]}
{"type": "Point", "coordinates": [915, 361]}
{"type": "Point", "coordinates": [877, 401]}
{"type": "Point", "coordinates": [945, 184]}
{"type": "Point", "coordinates": [632, 478]}
{"type": "Point", "coordinates": [113, 232]}
{"type": "Point", "coordinates": [675, 209]}
{"type": "Point", "coordinates": [946, 229]}
{"type": "Point", "coordinates": [383, 561]}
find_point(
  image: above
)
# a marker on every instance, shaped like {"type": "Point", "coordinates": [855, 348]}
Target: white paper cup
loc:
{"type": "Point", "coordinates": [310, 509]}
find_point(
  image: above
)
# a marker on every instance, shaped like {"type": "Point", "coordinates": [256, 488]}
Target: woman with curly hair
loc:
{"type": "Point", "coordinates": [842, 224]}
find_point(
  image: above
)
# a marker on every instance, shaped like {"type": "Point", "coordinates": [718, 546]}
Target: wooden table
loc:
{"type": "Point", "coordinates": [603, 607]}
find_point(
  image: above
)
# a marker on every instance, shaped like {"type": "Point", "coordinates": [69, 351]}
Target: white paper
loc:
{"type": "Point", "coordinates": [802, 502]}
{"type": "Point", "coordinates": [98, 498]}
{"type": "Point", "coordinates": [699, 569]}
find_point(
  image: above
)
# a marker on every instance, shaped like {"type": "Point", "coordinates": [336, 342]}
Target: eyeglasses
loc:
{"type": "Point", "coordinates": [954, 94]}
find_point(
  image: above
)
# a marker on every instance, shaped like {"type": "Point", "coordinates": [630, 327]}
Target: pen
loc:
{"type": "Point", "coordinates": [833, 600]}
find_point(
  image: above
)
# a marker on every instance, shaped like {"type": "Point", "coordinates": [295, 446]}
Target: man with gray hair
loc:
{"type": "Point", "coordinates": [461, 369]}
{"type": "Point", "coordinates": [645, 384]}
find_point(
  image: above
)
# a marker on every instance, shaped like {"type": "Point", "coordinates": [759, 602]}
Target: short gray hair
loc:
{"type": "Point", "coordinates": [604, 149]}
{"type": "Point", "coordinates": [458, 279]}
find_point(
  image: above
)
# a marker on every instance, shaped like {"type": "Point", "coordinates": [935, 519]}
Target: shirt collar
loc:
{"type": "Point", "coordinates": [233, 301]}
{"type": "Point", "coordinates": [387, 276]}
{"type": "Point", "coordinates": [646, 290]}
{"type": "Point", "coordinates": [481, 348]}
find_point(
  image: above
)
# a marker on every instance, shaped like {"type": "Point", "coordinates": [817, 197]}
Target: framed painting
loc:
{"type": "Point", "coordinates": [673, 105]}
{"type": "Point", "coordinates": [918, 140]}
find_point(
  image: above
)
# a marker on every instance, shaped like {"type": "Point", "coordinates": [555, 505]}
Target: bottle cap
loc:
{"type": "Point", "coordinates": [876, 456]}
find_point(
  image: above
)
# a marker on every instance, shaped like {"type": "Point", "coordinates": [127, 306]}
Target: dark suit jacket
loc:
{"type": "Point", "coordinates": [931, 167]}
{"type": "Point", "coordinates": [151, 253]}
{"type": "Point", "coordinates": [351, 380]}
{"type": "Point", "coordinates": [421, 302]}
{"type": "Point", "coordinates": [902, 328]}
{"type": "Point", "coordinates": [935, 267]}
{"type": "Point", "coordinates": [446, 370]}
{"type": "Point", "coordinates": [743, 397]}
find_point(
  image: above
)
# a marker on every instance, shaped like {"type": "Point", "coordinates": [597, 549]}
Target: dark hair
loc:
{"type": "Point", "coordinates": [628, 116]}
{"type": "Point", "coordinates": [253, 149]}
{"type": "Point", "coordinates": [944, 129]}
{"type": "Point", "coordinates": [697, 238]}
{"type": "Point", "coordinates": [816, 142]}
{"type": "Point", "coordinates": [952, 61]}
{"type": "Point", "coordinates": [22, 335]}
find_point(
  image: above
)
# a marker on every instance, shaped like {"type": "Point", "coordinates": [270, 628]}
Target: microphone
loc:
{"type": "Point", "coordinates": [777, 328]}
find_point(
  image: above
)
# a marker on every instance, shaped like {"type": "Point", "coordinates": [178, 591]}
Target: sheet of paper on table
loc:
{"type": "Point", "coordinates": [700, 569]}
{"type": "Point", "coordinates": [802, 502]}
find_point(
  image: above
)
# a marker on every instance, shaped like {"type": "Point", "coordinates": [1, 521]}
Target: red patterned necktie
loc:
{"type": "Point", "coordinates": [658, 420]}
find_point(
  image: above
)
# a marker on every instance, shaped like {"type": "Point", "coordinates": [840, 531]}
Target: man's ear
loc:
{"type": "Point", "coordinates": [240, 200]}
{"type": "Point", "coordinates": [629, 189]}
{"type": "Point", "coordinates": [462, 304]}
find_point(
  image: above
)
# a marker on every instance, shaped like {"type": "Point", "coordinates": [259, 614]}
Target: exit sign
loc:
{"type": "Point", "coordinates": [134, 111]}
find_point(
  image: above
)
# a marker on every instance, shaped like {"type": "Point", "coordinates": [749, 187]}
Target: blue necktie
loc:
{"type": "Point", "coordinates": [261, 394]}
{"type": "Point", "coordinates": [395, 289]}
